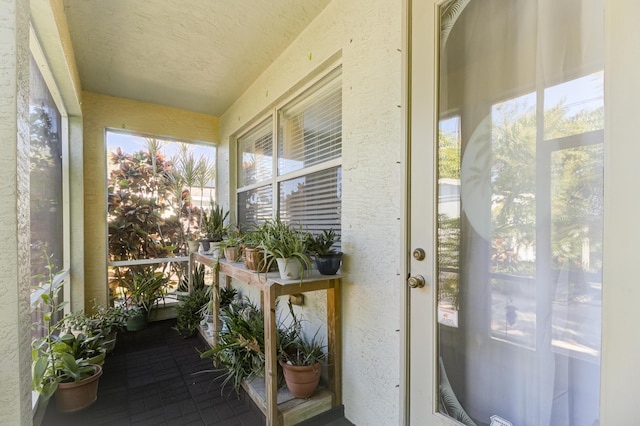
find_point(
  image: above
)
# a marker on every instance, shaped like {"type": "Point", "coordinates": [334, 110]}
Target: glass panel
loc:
{"type": "Point", "coordinates": [255, 155]}
{"type": "Point", "coordinates": [254, 206]}
{"type": "Point", "coordinates": [520, 192]}
{"type": "Point", "coordinates": [310, 128]}
{"type": "Point", "coordinates": [45, 175]}
{"type": "Point", "coordinates": [576, 245]}
{"type": "Point", "coordinates": [313, 201]}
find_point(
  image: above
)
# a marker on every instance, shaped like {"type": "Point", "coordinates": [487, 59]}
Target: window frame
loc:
{"type": "Point", "coordinates": [272, 114]}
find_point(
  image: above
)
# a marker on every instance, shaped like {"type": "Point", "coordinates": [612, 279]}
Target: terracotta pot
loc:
{"type": "Point", "coordinates": [302, 380]}
{"type": "Point", "coordinates": [75, 396]}
{"type": "Point", "coordinates": [254, 258]}
{"type": "Point", "coordinates": [232, 254]}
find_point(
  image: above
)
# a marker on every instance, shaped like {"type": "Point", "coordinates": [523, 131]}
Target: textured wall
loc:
{"type": "Point", "coordinates": [101, 112]}
{"type": "Point", "coordinates": [367, 35]}
{"type": "Point", "coordinates": [15, 335]}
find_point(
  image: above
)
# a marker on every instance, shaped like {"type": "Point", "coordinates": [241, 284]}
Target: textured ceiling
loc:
{"type": "Point", "coordinates": [198, 55]}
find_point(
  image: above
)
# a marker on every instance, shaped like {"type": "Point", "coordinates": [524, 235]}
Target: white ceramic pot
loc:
{"type": "Point", "coordinates": [289, 268]}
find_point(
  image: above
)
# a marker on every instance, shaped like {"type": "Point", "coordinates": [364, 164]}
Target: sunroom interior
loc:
{"type": "Point", "coordinates": [306, 112]}
{"type": "Point", "coordinates": [237, 81]}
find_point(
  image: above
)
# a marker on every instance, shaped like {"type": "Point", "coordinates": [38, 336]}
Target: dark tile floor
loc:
{"type": "Point", "coordinates": [149, 380]}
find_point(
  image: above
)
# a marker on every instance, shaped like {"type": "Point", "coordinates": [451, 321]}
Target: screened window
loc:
{"type": "Point", "coordinates": [158, 192]}
{"type": "Point", "coordinates": [48, 188]}
{"type": "Point", "coordinates": [302, 185]}
{"type": "Point", "coordinates": [46, 185]}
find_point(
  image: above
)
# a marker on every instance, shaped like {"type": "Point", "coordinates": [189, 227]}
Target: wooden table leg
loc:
{"type": "Point", "coordinates": [334, 341]}
{"type": "Point", "coordinates": [215, 302]}
{"type": "Point", "coordinates": [189, 272]}
{"type": "Point", "coordinates": [271, 363]}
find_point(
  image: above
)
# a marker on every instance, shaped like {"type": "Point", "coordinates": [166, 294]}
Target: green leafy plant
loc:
{"type": "Point", "coordinates": [322, 244]}
{"type": "Point", "coordinates": [296, 349]}
{"type": "Point", "coordinates": [104, 321]}
{"type": "Point", "coordinates": [233, 239]}
{"type": "Point", "coordinates": [213, 226]}
{"type": "Point", "coordinates": [144, 288]}
{"type": "Point", "coordinates": [197, 279]}
{"type": "Point", "coordinates": [54, 360]}
{"type": "Point", "coordinates": [284, 241]}
{"type": "Point", "coordinates": [188, 312]}
{"type": "Point", "coordinates": [228, 295]}
{"type": "Point", "coordinates": [240, 348]}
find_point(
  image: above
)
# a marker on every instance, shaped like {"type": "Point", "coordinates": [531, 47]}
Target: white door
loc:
{"type": "Point", "coordinates": [507, 155]}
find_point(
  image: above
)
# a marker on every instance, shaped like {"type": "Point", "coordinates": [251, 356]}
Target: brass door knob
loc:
{"type": "Point", "coordinates": [416, 281]}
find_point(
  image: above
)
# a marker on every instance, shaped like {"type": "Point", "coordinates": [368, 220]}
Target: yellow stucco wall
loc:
{"type": "Point", "coordinates": [101, 112]}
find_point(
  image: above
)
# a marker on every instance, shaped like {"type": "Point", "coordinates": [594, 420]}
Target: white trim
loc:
{"type": "Point", "coordinates": [41, 61]}
{"type": "Point", "coordinates": [330, 164]}
{"type": "Point", "coordinates": [404, 216]}
{"type": "Point", "coordinates": [154, 136]}
{"type": "Point", "coordinates": [149, 261]}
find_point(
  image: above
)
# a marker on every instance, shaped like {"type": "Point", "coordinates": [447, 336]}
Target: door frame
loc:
{"type": "Point", "coordinates": [419, 145]}
{"type": "Point", "coordinates": [620, 375]}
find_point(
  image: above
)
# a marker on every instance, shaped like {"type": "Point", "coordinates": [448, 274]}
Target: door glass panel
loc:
{"type": "Point", "coordinates": [520, 192]}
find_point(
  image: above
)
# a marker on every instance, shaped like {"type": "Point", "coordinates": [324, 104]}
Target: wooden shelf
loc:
{"type": "Point", "coordinates": [278, 409]}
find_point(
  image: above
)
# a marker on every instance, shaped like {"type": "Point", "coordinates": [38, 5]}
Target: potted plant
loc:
{"type": "Point", "coordinates": [240, 346]}
{"type": "Point", "coordinates": [188, 312]}
{"type": "Point", "coordinates": [301, 360]}
{"type": "Point", "coordinates": [197, 281]}
{"type": "Point", "coordinates": [101, 327]}
{"type": "Point", "coordinates": [84, 347]}
{"type": "Point", "coordinates": [56, 371]}
{"type": "Point", "coordinates": [288, 245]}
{"type": "Point", "coordinates": [252, 247]}
{"type": "Point", "coordinates": [327, 258]}
{"type": "Point", "coordinates": [143, 289]}
{"type": "Point", "coordinates": [232, 246]}
{"type": "Point", "coordinates": [213, 227]}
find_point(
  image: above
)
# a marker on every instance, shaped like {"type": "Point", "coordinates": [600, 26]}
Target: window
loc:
{"type": "Point", "coordinates": [46, 174]}
{"type": "Point", "coordinates": [302, 184]}
{"type": "Point", "coordinates": [48, 191]}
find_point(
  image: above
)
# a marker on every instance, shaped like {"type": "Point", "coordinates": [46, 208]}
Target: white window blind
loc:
{"type": "Point", "coordinates": [255, 154]}
{"type": "Point", "coordinates": [313, 201]}
{"type": "Point", "coordinates": [255, 206]}
{"type": "Point", "coordinates": [306, 187]}
{"type": "Point", "coordinates": [310, 127]}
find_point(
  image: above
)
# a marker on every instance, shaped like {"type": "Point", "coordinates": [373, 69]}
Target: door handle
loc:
{"type": "Point", "coordinates": [416, 281]}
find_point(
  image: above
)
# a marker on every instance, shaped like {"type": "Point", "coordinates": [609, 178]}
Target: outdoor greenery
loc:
{"type": "Point", "coordinates": [574, 180]}
{"type": "Point", "coordinates": [44, 203]}
{"type": "Point", "coordinates": [151, 213]}
{"type": "Point", "coordinates": [213, 223]}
